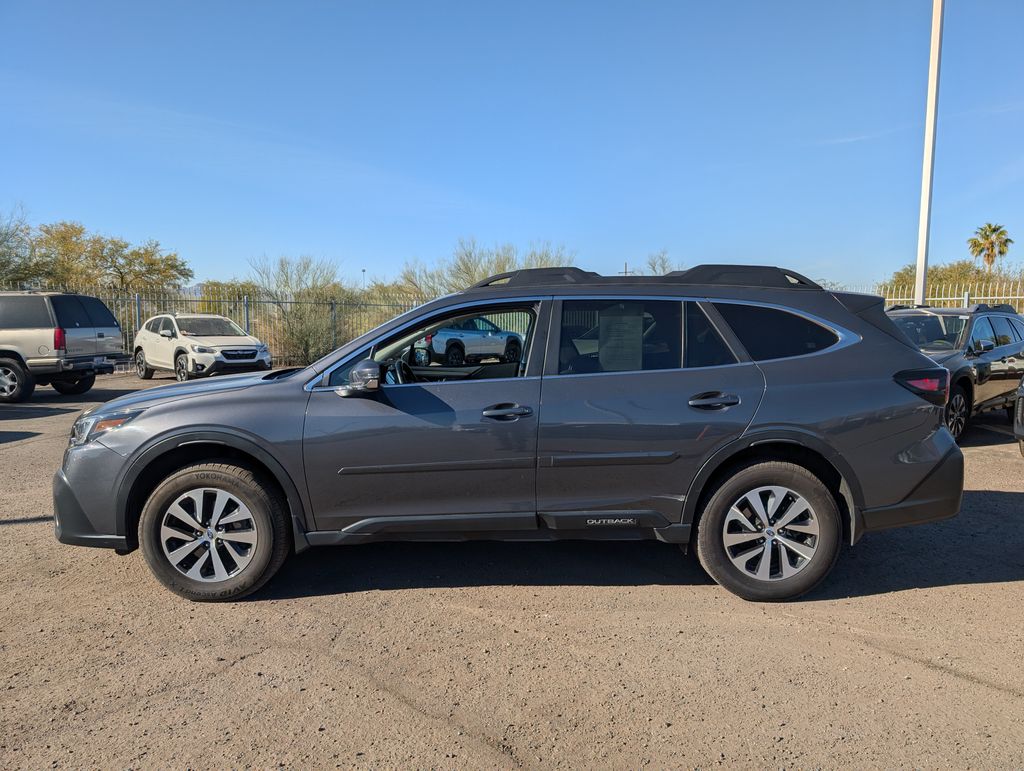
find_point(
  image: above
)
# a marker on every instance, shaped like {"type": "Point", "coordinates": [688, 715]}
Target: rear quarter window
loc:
{"type": "Point", "coordinates": [70, 312]}
{"type": "Point", "coordinates": [771, 333]}
{"type": "Point", "coordinates": [98, 312]}
{"type": "Point", "coordinates": [21, 312]}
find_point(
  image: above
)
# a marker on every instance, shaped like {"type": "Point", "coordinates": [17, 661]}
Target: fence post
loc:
{"type": "Point", "coordinates": [334, 324]}
{"type": "Point", "coordinates": [245, 305]}
{"type": "Point", "coordinates": [967, 298]}
{"type": "Point", "coordinates": [138, 315]}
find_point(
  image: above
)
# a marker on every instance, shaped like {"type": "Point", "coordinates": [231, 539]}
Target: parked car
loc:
{"type": "Point", "coordinates": [755, 416]}
{"type": "Point", "coordinates": [196, 345]}
{"type": "Point", "coordinates": [55, 338]}
{"type": "Point", "coordinates": [983, 348]}
{"type": "Point", "coordinates": [469, 340]}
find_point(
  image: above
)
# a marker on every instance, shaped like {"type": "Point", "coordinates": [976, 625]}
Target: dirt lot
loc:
{"type": "Point", "coordinates": [502, 655]}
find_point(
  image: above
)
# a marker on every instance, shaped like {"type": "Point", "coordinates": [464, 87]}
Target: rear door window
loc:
{"type": "Point", "coordinates": [620, 335]}
{"type": "Point", "coordinates": [24, 312]}
{"type": "Point", "coordinates": [97, 312]}
{"type": "Point", "coordinates": [1004, 333]}
{"type": "Point", "coordinates": [704, 346]}
{"type": "Point", "coordinates": [70, 312]}
{"type": "Point", "coordinates": [982, 332]}
{"type": "Point", "coordinates": [772, 333]}
{"type": "Point", "coordinates": [1018, 327]}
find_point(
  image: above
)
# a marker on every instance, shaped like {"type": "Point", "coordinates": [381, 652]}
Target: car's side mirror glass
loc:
{"type": "Point", "coordinates": [364, 378]}
{"type": "Point", "coordinates": [982, 346]}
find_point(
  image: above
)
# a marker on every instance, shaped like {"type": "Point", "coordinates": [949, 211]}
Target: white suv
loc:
{"type": "Point", "coordinates": [196, 345]}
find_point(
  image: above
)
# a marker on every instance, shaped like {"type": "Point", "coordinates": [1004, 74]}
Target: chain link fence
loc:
{"type": "Point", "coordinates": [299, 331]}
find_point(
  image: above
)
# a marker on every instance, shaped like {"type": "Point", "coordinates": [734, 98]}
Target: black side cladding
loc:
{"type": "Point", "coordinates": [871, 308]}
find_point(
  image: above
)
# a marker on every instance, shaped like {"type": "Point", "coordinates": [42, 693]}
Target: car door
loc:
{"type": "Point", "coordinates": [106, 328]}
{"type": "Point", "coordinates": [983, 356]}
{"type": "Point", "coordinates": [627, 422]}
{"type": "Point", "coordinates": [1006, 356]}
{"type": "Point", "coordinates": [79, 332]}
{"type": "Point", "coordinates": [163, 343]}
{"type": "Point", "coordinates": [455, 449]}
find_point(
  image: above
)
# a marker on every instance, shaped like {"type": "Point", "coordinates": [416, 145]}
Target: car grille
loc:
{"type": "Point", "coordinates": [239, 355]}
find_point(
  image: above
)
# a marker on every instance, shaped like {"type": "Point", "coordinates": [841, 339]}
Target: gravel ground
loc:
{"type": "Point", "coordinates": [507, 655]}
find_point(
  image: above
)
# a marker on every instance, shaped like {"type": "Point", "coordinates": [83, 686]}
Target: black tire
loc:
{"type": "Point", "coordinates": [1011, 411]}
{"type": "Point", "coordinates": [181, 373]}
{"type": "Point", "coordinates": [74, 387]}
{"type": "Point", "coordinates": [1020, 446]}
{"type": "Point", "coordinates": [714, 556]}
{"type": "Point", "coordinates": [141, 369]}
{"type": "Point", "coordinates": [16, 382]}
{"type": "Point", "coordinates": [454, 355]}
{"type": "Point", "coordinates": [269, 514]}
{"type": "Point", "coordinates": [513, 352]}
{"type": "Point", "coordinates": [958, 411]}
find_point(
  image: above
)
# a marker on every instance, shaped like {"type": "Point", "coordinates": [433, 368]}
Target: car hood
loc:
{"type": "Point", "coordinates": [169, 393]}
{"type": "Point", "coordinates": [228, 341]}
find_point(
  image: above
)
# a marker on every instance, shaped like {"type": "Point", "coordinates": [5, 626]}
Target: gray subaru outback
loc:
{"type": "Point", "coordinates": [742, 411]}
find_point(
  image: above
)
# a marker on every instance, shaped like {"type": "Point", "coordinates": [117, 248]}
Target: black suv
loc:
{"type": "Point", "coordinates": [982, 347]}
{"type": "Point", "coordinates": [744, 411]}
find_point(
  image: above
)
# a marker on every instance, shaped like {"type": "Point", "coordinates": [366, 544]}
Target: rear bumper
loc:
{"type": "Point", "coordinates": [78, 367]}
{"type": "Point", "coordinates": [937, 497]}
{"type": "Point", "coordinates": [71, 525]}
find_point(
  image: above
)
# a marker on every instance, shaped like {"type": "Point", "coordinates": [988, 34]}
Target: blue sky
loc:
{"type": "Point", "coordinates": [372, 132]}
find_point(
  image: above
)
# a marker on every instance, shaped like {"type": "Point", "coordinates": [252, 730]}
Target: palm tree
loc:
{"type": "Point", "coordinates": [989, 242]}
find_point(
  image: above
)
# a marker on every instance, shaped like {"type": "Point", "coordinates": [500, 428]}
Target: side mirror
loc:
{"type": "Point", "coordinates": [983, 346]}
{"type": "Point", "coordinates": [166, 333]}
{"type": "Point", "coordinates": [364, 378]}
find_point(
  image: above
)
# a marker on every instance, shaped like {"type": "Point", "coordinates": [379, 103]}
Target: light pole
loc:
{"type": "Point", "coordinates": [925, 220]}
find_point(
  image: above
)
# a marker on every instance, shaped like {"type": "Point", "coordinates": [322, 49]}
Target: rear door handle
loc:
{"type": "Point", "coordinates": [713, 400]}
{"type": "Point", "coordinates": [506, 412]}
{"type": "Point", "coordinates": [99, 335]}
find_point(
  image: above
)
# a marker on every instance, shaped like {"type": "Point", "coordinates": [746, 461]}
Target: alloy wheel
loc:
{"type": "Point", "coordinates": [770, 533]}
{"type": "Point", "coordinates": [208, 535]}
{"type": "Point", "coordinates": [956, 414]}
{"type": "Point", "coordinates": [140, 363]}
{"type": "Point", "coordinates": [181, 369]}
{"type": "Point", "coordinates": [512, 353]}
{"type": "Point", "coordinates": [8, 381]}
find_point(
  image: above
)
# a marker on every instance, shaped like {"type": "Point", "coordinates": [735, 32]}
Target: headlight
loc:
{"type": "Point", "coordinates": [261, 348]}
{"type": "Point", "coordinates": [88, 427]}
{"type": "Point", "coordinates": [202, 349]}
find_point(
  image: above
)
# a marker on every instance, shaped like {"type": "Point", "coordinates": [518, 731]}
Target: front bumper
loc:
{"type": "Point", "coordinates": [937, 497]}
{"type": "Point", "coordinates": [72, 525]}
{"type": "Point", "coordinates": [206, 364]}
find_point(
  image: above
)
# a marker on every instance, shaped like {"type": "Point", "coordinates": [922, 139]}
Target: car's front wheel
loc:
{"type": "Point", "coordinates": [142, 369]}
{"type": "Point", "coordinates": [770, 532]}
{"type": "Point", "coordinates": [958, 411]}
{"type": "Point", "coordinates": [74, 387]}
{"type": "Point", "coordinates": [181, 368]}
{"type": "Point", "coordinates": [214, 531]}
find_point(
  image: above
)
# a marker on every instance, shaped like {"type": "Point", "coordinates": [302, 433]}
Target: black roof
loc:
{"type": "Point", "coordinates": [701, 275]}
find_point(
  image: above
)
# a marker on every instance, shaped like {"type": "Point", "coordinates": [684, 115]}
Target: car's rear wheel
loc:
{"type": "Point", "coordinates": [512, 352]}
{"type": "Point", "coordinates": [958, 411]}
{"type": "Point", "coordinates": [74, 387]}
{"type": "Point", "coordinates": [181, 373]}
{"type": "Point", "coordinates": [16, 382]}
{"type": "Point", "coordinates": [141, 368]}
{"type": "Point", "coordinates": [770, 532]}
{"type": "Point", "coordinates": [214, 531]}
{"type": "Point", "coordinates": [455, 356]}
{"type": "Point", "coordinates": [1020, 446]}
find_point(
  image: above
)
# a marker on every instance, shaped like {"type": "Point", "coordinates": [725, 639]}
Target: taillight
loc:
{"type": "Point", "coordinates": [429, 339]}
{"type": "Point", "coordinates": [932, 385]}
{"type": "Point", "coordinates": [59, 342]}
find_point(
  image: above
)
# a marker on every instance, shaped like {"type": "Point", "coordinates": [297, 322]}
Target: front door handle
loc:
{"type": "Point", "coordinates": [100, 335]}
{"type": "Point", "coordinates": [506, 412]}
{"type": "Point", "coordinates": [713, 400]}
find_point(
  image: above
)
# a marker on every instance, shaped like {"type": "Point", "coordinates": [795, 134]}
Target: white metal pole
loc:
{"type": "Point", "coordinates": [925, 220]}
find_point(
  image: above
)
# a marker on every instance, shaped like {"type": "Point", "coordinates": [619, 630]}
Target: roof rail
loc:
{"type": "Point", "coordinates": [527, 276]}
{"type": "Point", "coordinates": [904, 307]}
{"type": "Point", "coordinates": [714, 275]}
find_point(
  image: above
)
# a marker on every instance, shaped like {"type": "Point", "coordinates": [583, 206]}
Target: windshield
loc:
{"type": "Point", "coordinates": [205, 326]}
{"type": "Point", "coordinates": [932, 331]}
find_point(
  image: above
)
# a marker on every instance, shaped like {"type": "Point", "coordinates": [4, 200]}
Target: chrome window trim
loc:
{"type": "Point", "coordinates": [311, 386]}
